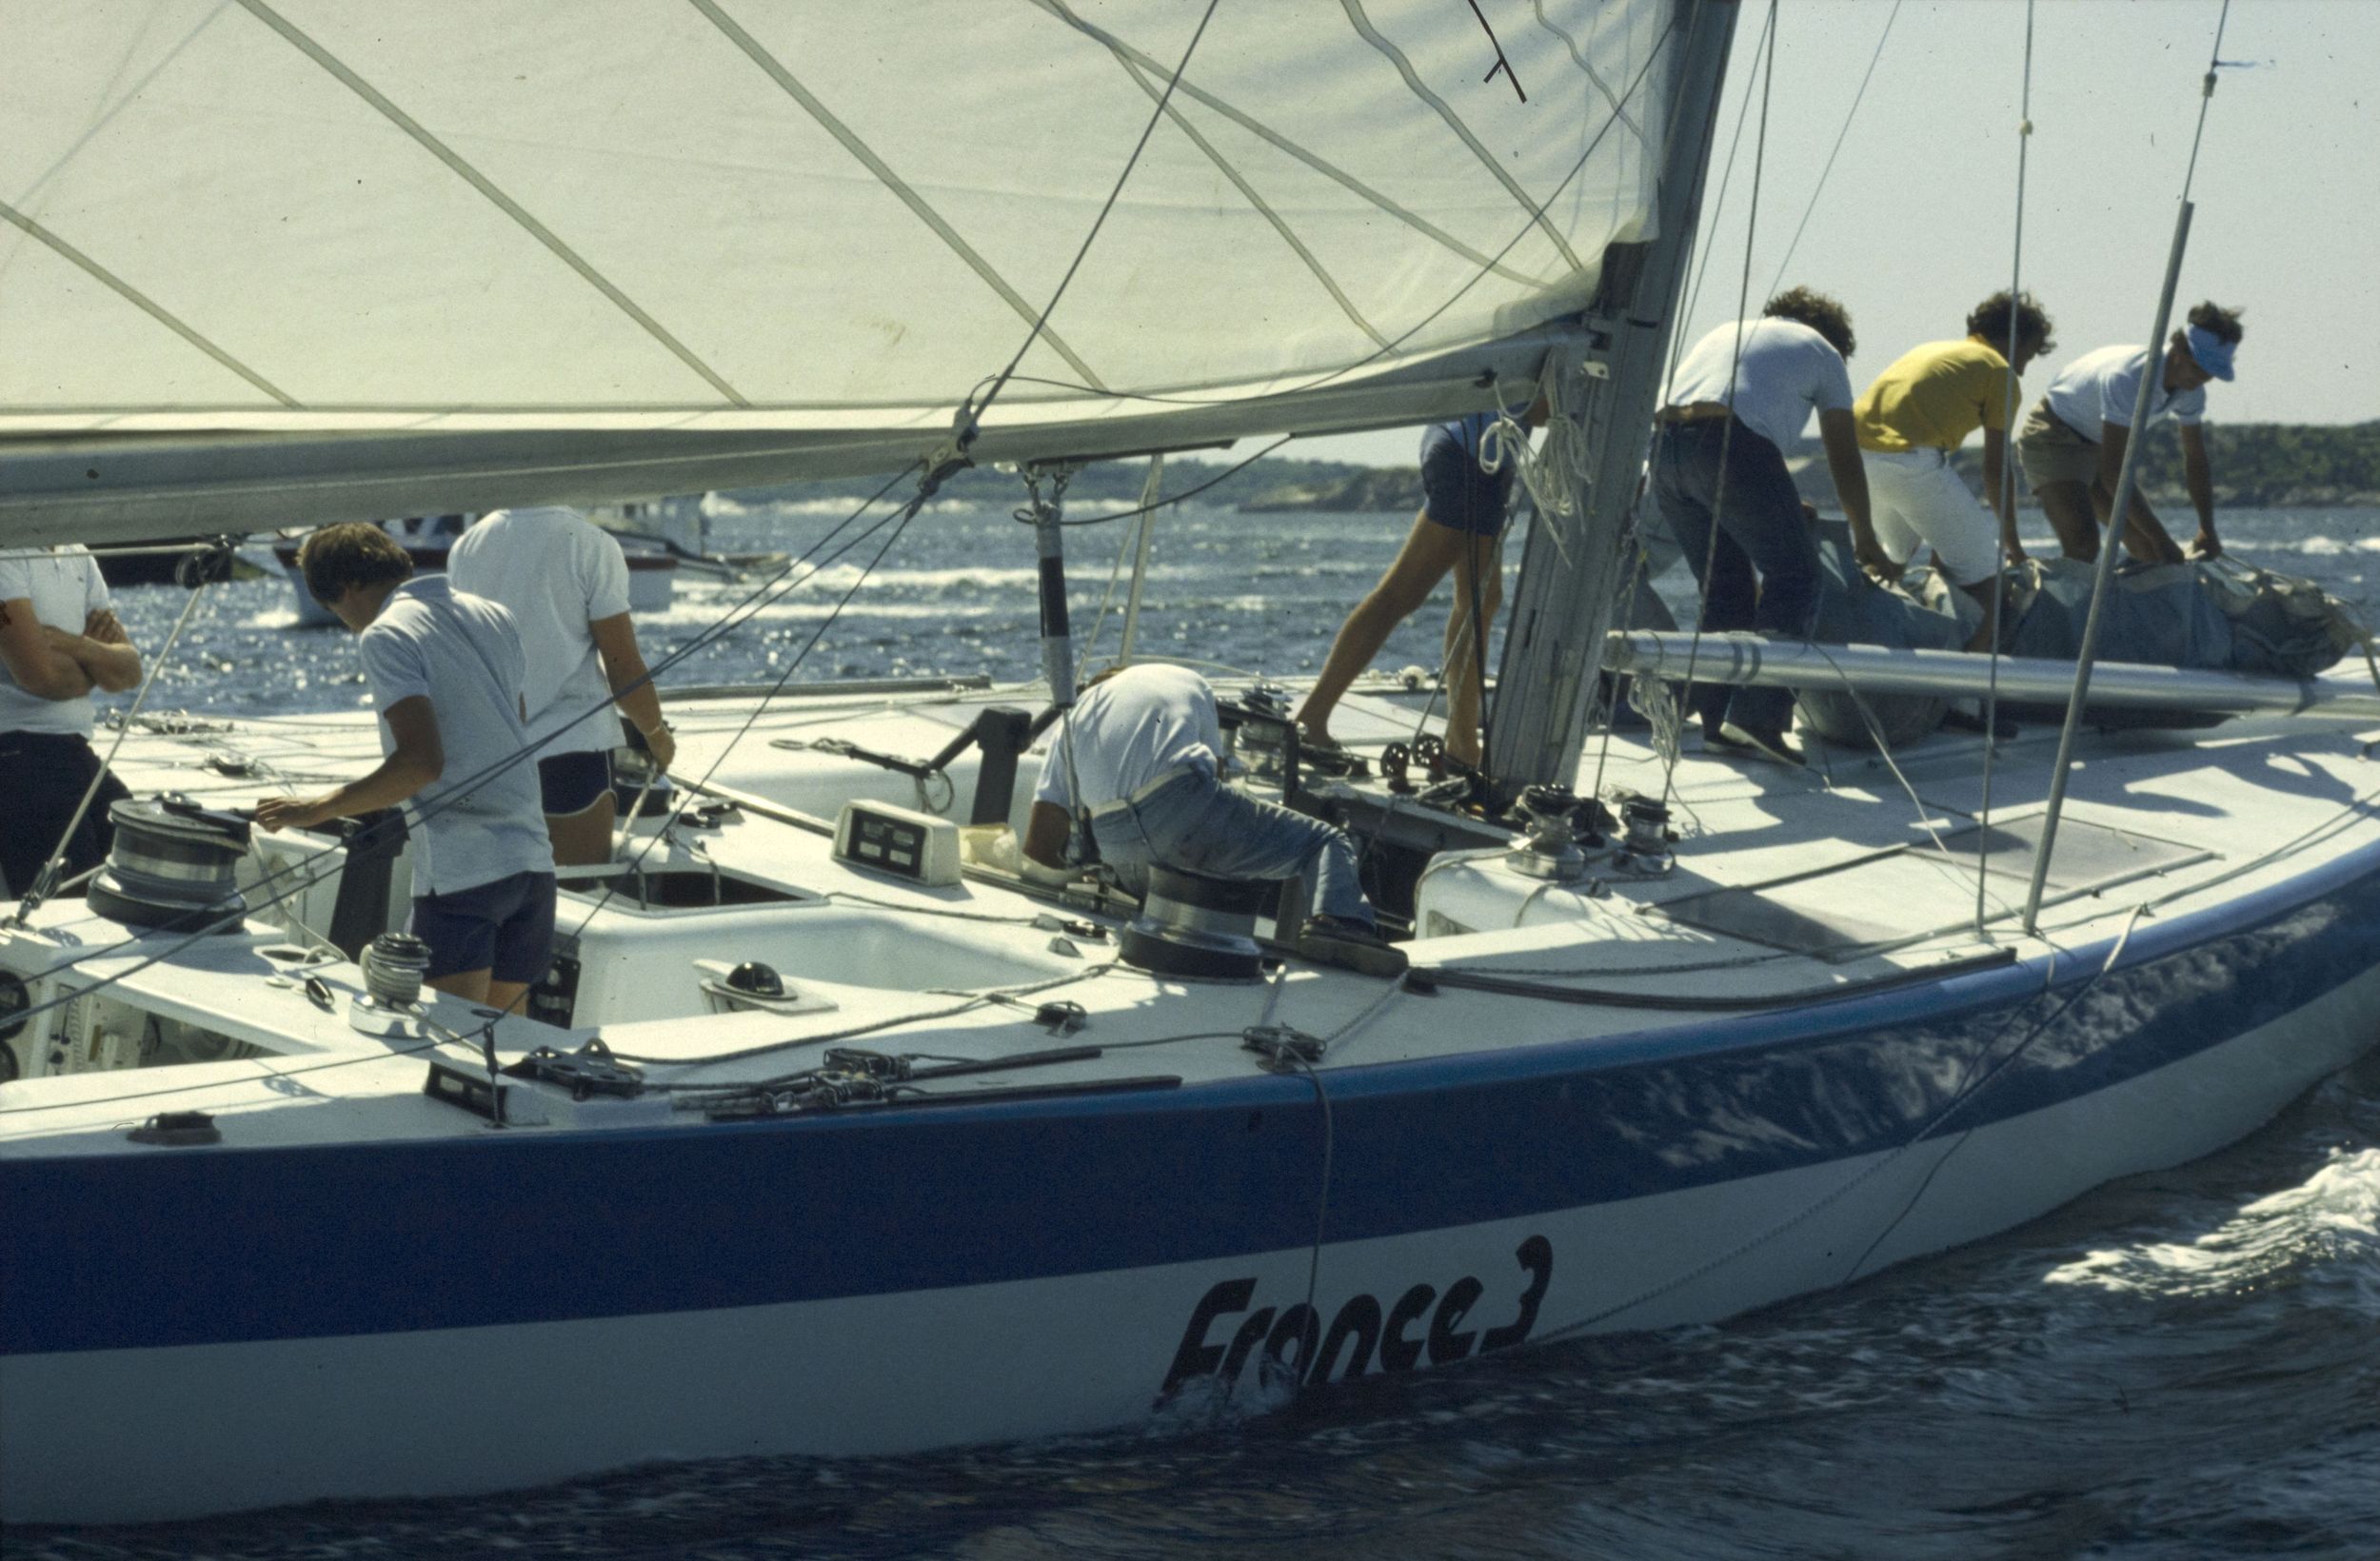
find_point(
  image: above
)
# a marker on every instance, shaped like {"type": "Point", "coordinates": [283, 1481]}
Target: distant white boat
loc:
{"type": "Point", "coordinates": [652, 573]}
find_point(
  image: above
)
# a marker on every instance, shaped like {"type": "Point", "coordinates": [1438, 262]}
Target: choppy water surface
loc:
{"type": "Point", "coordinates": [2182, 1365]}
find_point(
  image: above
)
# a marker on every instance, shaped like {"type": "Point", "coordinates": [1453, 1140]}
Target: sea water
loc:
{"type": "Point", "coordinates": [2179, 1365]}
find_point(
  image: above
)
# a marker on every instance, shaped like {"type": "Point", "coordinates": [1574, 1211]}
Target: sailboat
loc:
{"type": "Point", "coordinates": [828, 1133]}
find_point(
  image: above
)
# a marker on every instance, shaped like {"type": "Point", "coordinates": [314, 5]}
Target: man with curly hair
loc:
{"type": "Point", "coordinates": [1918, 411]}
{"type": "Point", "coordinates": [1718, 478]}
{"type": "Point", "coordinates": [2073, 446]}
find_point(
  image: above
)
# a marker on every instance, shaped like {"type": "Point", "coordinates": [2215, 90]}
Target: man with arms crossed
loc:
{"type": "Point", "coordinates": [2073, 446]}
{"type": "Point", "coordinates": [566, 582]}
{"type": "Point", "coordinates": [1923, 408]}
{"type": "Point", "coordinates": [59, 640]}
{"type": "Point", "coordinates": [445, 670]}
{"type": "Point", "coordinates": [1718, 480]}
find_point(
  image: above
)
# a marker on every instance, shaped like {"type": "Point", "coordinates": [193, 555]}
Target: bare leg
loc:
{"type": "Point", "coordinates": [1429, 551]}
{"type": "Point", "coordinates": [583, 838]}
{"type": "Point", "coordinates": [2070, 509]}
{"type": "Point", "coordinates": [1981, 590]}
{"type": "Point", "coordinates": [1465, 676]}
{"type": "Point", "coordinates": [471, 985]}
{"type": "Point", "coordinates": [505, 996]}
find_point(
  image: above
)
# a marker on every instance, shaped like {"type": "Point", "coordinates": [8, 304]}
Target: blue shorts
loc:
{"type": "Point", "coordinates": [505, 928]}
{"type": "Point", "coordinates": [573, 782]}
{"type": "Point", "coordinates": [1455, 492]}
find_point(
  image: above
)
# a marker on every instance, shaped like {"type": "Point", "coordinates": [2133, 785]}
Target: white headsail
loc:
{"type": "Point", "coordinates": [622, 245]}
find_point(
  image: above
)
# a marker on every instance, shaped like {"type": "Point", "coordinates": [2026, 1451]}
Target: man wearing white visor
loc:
{"type": "Point", "coordinates": [2073, 446]}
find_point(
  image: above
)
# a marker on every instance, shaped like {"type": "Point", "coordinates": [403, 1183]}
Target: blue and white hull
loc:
{"type": "Point", "coordinates": [363, 1292]}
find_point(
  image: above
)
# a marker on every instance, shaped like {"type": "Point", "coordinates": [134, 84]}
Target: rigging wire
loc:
{"type": "Point", "coordinates": [1735, 367]}
{"type": "Point", "coordinates": [971, 412]}
{"type": "Point", "coordinates": [2007, 494]}
{"type": "Point", "coordinates": [43, 881]}
{"type": "Point", "coordinates": [1840, 135]}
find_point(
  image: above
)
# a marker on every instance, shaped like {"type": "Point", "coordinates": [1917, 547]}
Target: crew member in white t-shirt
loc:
{"type": "Point", "coordinates": [445, 669]}
{"type": "Point", "coordinates": [1737, 401]}
{"type": "Point", "coordinates": [2073, 446]}
{"type": "Point", "coordinates": [566, 582]}
{"type": "Point", "coordinates": [59, 640]}
{"type": "Point", "coordinates": [1143, 747]}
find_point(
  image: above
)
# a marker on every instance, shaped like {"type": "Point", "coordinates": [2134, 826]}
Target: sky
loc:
{"type": "Point", "coordinates": [1917, 220]}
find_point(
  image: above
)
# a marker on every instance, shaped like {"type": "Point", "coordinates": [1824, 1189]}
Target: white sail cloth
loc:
{"type": "Point", "coordinates": [318, 215]}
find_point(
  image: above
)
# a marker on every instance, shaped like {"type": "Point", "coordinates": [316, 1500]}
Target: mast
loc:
{"type": "Point", "coordinates": [1562, 604]}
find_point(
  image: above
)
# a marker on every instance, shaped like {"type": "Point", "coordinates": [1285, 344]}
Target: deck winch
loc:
{"type": "Point", "coordinates": [1196, 924]}
{"type": "Point", "coordinates": [173, 864]}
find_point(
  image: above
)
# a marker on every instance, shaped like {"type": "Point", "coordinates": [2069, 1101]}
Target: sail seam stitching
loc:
{"type": "Point", "coordinates": [892, 182]}
{"type": "Point", "coordinates": [1257, 202]}
{"type": "Point", "coordinates": [1594, 75]}
{"type": "Point", "coordinates": [1313, 160]}
{"type": "Point", "coordinates": [304, 44]}
{"type": "Point", "coordinates": [142, 301]}
{"type": "Point", "coordinates": [1414, 84]}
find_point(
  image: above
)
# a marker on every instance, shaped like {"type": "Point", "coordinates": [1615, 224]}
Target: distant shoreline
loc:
{"type": "Point", "coordinates": [2264, 466]}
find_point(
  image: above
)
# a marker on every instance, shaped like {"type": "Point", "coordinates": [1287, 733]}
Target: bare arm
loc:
{"type": "Point", "coordinates": [623, 668]}
{"type": "Point", "coordinates": [419, 759]}
{"type": "Point", "coordinates": [103, 650]}
{"type": "Point", "coordinates": [39, 666]}
{"type": "Point", "coordinates": [2199, 477]}
{"type": "Point", "coordinates": [1840, 437]}
{"type": "Point", "coordinates": [1999, 494]}
{"type": "Point", "coordinates": [1046, 833]}
{"type": "Point", "coordinates": [2144, 534]}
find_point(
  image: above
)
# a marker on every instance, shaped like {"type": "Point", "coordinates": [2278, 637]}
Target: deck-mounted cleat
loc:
{"type": "Point", "coordinates": [1196, 924]}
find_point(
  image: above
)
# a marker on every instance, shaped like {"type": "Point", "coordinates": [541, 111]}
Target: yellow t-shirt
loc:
{"type": "Point", "coordinates": [1933, 396]}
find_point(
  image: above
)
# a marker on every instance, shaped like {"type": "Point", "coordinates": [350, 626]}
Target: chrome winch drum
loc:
{"type": "Point", "coordinates": [1192, 925]}
{"type": "Point", "coordinates": [173, 864]}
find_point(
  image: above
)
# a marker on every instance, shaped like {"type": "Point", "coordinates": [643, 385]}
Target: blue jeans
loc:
{"type": "Point", "coordinates": [1763, 573]}
{"type": "Point", "coordinates": [1196, 823]}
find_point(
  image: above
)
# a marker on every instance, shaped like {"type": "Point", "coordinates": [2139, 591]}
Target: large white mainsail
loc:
{"type": "Point", "coordinates": [476, 253]}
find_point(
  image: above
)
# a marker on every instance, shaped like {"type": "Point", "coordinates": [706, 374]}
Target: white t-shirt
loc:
{"type": "Point", "coordinates": [477, 822]}
{"type": "Point", "coordinates": [1129, 731]}
{"type": "Point", "coordinates": [1787, 371]}
{"type": "Point", "coordinates": [2103, 386]}
{"type": "Point", "coordinates": [556, 572]}
{"type": "Point", "coordinates": [63, 583]}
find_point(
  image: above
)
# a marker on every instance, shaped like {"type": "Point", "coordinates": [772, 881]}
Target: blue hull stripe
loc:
{"type": "Point", "coordinates": [191, 1246]}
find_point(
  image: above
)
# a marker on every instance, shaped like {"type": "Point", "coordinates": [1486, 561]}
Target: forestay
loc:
{"type": "Point", "coordinates": [728, 218]}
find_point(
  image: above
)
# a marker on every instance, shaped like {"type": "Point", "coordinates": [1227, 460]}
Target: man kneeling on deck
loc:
{"type": "Point", "coordinates": [1142, 746]}
{"type": "Point", "coordinates": [445, 670]}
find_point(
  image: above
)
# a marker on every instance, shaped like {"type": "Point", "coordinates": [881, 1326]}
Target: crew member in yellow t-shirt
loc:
{"type": "Point", "coordinates": [1920, 409]}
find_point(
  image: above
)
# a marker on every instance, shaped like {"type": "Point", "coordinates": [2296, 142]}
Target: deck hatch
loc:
{"type": "Point", "coordinates": [1906, 894]}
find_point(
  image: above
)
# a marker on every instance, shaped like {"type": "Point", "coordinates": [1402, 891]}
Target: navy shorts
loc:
{"type": "Point", "coordinates": [573, 782]}
{"type": "Point", "coordinates": [1455, 492]}
{"type": "Point", "coordinates": [505, 928]}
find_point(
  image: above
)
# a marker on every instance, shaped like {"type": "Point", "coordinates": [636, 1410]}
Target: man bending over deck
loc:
{"type": "Point", "coordinates": [1144, 744]}
{"type": "Point", "coordinates": [445, 670]}
{"type": "Point", "coordinates": [566, 582]}
{"type": "Point", "coordinates": [1735, 405]}
{"type": "Point", "coordinates": [59, 640]}
{"type": "Point", "coordinates": [1918, 411]}
{"type": "Point", "coordinates": [2073, 444]}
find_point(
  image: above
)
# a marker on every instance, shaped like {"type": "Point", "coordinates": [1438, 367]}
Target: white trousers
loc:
{"type": "Point", "coordinates": [1917, 499]}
